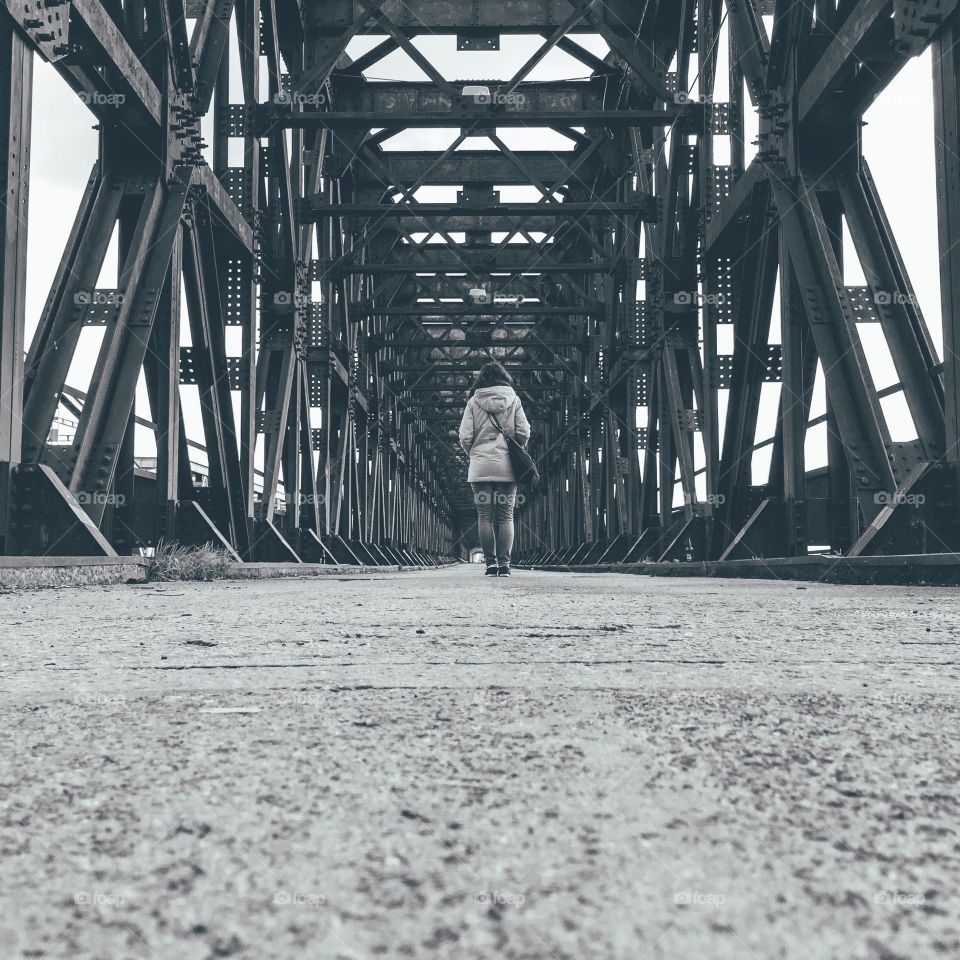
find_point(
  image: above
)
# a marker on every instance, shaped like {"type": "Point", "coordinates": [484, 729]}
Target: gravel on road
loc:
{"type": "Point", "coordinates": [438, 764]}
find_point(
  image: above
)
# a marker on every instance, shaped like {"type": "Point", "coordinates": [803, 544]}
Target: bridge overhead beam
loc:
{"type": "Point", "coordinates": [355, 95]}
{"type": "Point", "coordinates": [318, 208]}
{"type": "Point", "coordinates": [470, 260]}
{"type": "Point", "coordinates": [396, 167]}
{"type": "Point", "coordinates": [272, 116]}
{"type": "Point", "coordinates": [449, 16]}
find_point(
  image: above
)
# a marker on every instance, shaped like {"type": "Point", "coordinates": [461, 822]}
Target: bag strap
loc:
{"type": "Point", "coordinates": [495, 420]}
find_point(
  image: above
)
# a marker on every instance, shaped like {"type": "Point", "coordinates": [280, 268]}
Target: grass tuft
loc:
{"type": "Point", "coordinates": [173, 561]}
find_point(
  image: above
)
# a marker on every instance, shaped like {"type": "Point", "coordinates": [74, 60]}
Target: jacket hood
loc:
{"type": "Point", "coordinates": [496, 399]}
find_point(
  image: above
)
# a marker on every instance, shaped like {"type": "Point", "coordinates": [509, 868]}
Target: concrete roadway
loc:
{"type": "Point", "coordinates": [441, 765]}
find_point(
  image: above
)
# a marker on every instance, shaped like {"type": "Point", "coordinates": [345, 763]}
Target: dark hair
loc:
{"type": "Point", "coordinates": [493, 374]}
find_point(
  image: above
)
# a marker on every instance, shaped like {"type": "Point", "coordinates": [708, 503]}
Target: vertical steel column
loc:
{"type": "Point", "coordinates": [946, 93]}
{"type": "Point", "coordinates": [794, 404]}
{"type": "Point", "coordinates": [163, 385]}
{"type": "Point", "coordinates": [844, 517]}
{"type": "Point", "coordinates": [16, 94]}
{"type": "Point", "coordinates": [248, 38]}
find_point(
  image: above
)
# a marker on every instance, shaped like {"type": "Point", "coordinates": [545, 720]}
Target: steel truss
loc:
{"type": "Point", "coordinates": [361, 311]}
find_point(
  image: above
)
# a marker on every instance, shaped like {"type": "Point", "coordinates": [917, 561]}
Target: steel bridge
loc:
{"type": "Point", "coordinates": [329, 293]}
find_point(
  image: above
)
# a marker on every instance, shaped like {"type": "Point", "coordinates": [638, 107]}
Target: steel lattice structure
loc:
{"type": "Point", "coordinates": [362, 311]}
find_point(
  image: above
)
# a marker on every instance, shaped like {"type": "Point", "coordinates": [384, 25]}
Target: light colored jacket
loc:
{"type": "Point", "coordinates": [479, 437]}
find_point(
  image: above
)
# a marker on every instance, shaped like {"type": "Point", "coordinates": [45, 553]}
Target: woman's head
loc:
{"type": "Point", "coordinates": [493, 374]}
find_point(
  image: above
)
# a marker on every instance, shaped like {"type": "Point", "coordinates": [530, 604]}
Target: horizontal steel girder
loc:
{"type": "Point", "coordinates": [468, 310]}
{"type": "Point", "coordinates": [466, 382]}
{"type": "Point", "coordinates": [473, 342]}
{"type": "Point", "coordinates": [471, 363]}
{"type": "Point", "coordinates": [644, 206]}
{"type": "Point", "coordinates": [462, 223]}
{"type": "Point", "coordinates": [563, 97]}
{"type": "Point", "coordinates": [452, 16]}
{"type": "Point", "coordinates": [270, 116]}
{"type": "Point", "coordinates": [438, 259]}
{"type": "Point", "coordinates": [394, 168]}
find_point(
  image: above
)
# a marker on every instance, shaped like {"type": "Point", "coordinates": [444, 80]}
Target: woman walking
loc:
{"type": "Point", "coordinates": [493, 407]}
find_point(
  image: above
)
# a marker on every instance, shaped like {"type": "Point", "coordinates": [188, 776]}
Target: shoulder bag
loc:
{"type": "Point", "coordinates": [524, 469]}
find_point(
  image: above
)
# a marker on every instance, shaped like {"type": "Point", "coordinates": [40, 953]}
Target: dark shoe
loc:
{"type": "Point", "coordinates": [493, 571]}
{"type": "Point", "coordinates": [503, 571]}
